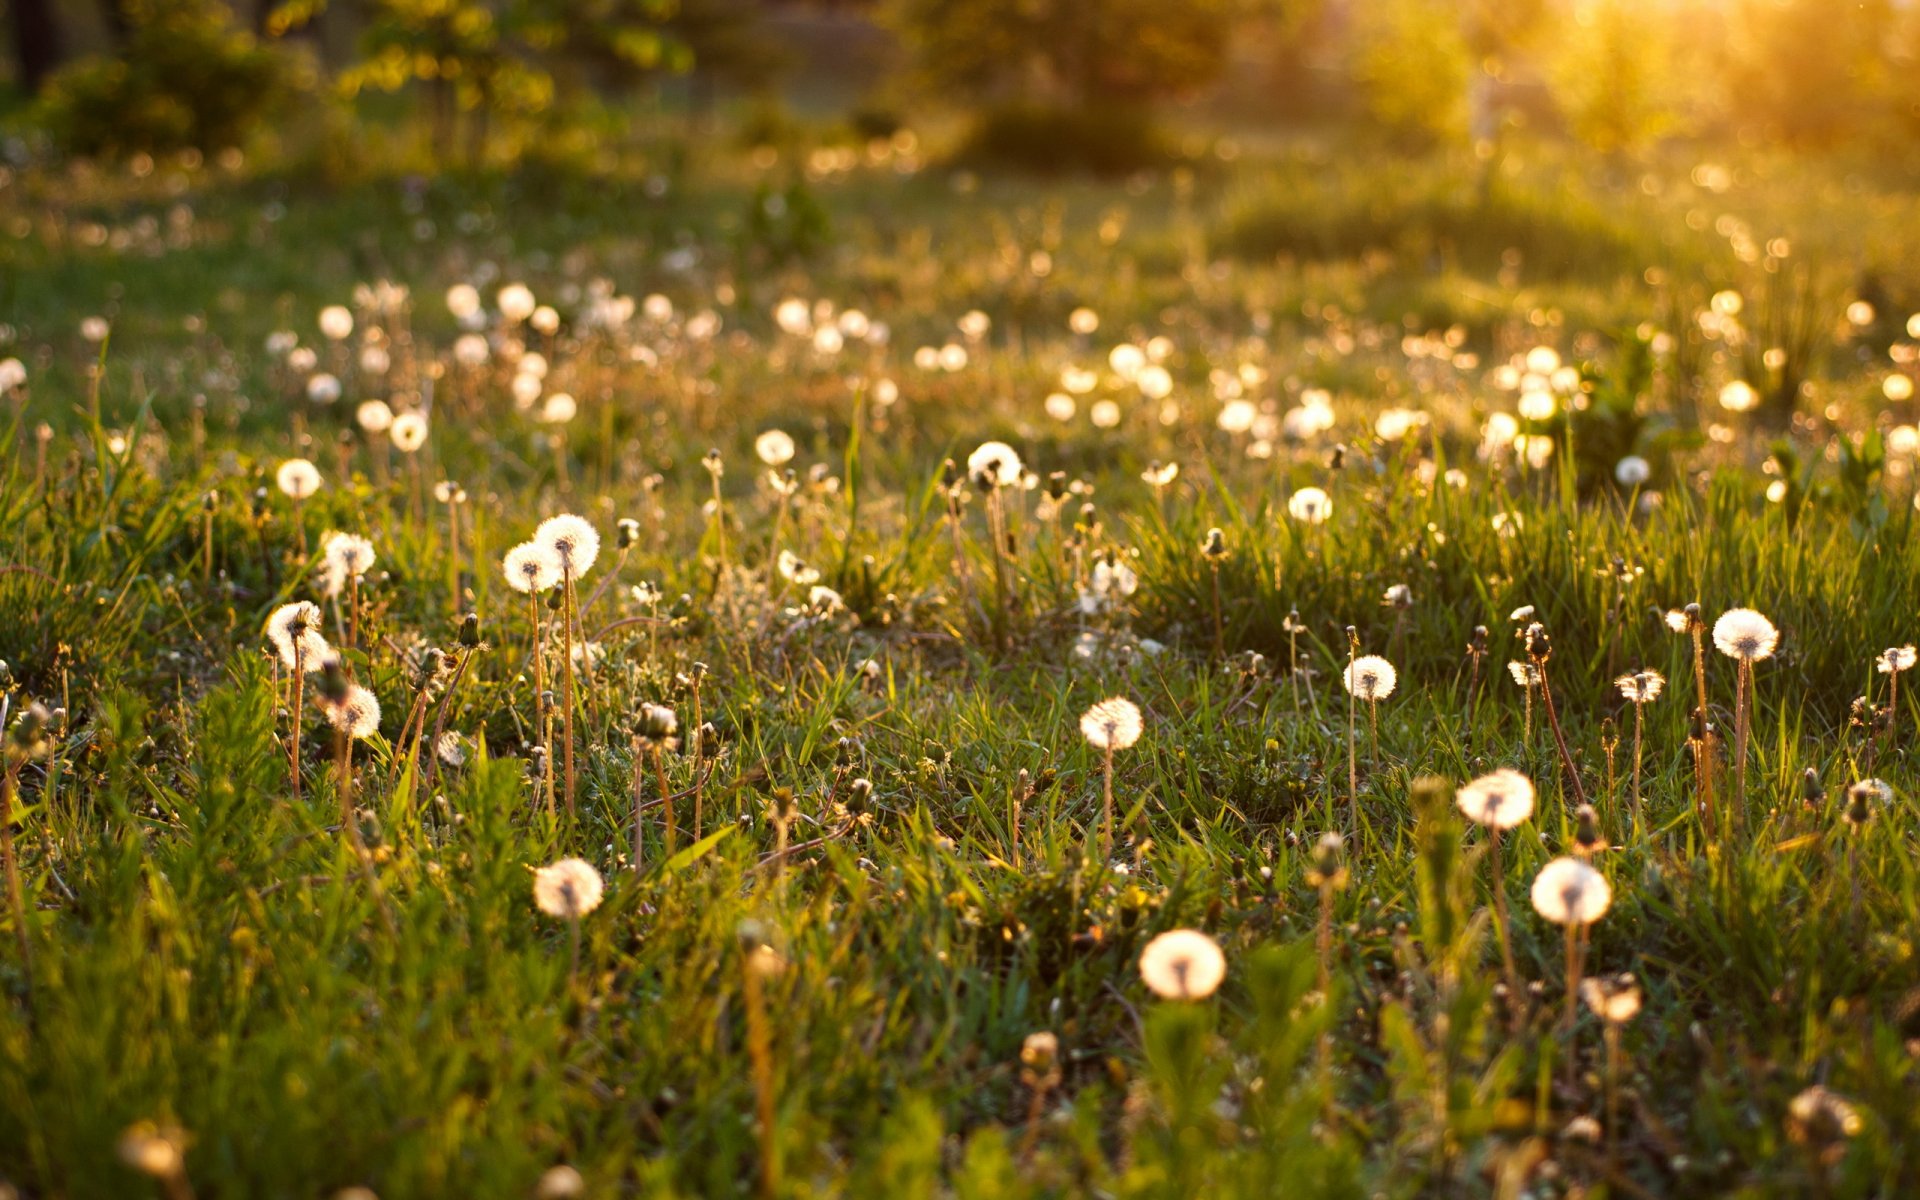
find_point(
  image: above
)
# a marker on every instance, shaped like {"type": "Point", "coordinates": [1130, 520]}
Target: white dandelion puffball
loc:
{"type": "Point", "coordinates": [336, 322]}
{"type": "Point", "coordinates": [1896, 659]}
{"type": "Point", "coordinates": [1744, 634]}
{"type": "Point", "coordinates": [293, 630]}
{"type": "Point", "coordinates": [1739, 397]}
{"type": "Point", "coordinates": [531, 567]}
{"type": "Point", "coordinates": [774, 447]}
{"type": "Point", "coordinates": [1632, 471]}
{"type": "Point", "coordinates": [358, 715]}
{"type": "Point", "coordinates": [374, 416]}
{"type": "Point", "coordinates": [1370, 677]}
{"type": "Point", "coordinates": [570, 888]}
{"type": "Point", "coordinates": [1183, 964]}
{"type": "Point", "coordinates": [1500, 799]}
{"type": "Point", "coordinates": [298, 478]}
{"type": "Point", "coordinates": [996, 462]}
{"type": "Point", "coordinates": [1310, 506]}
{"type": "Point", "coordinates": [515, 301]}
{"type": "Point", "coordinates": [409, 432]}
{"type": "Point", "coordinates": [1641, 687]}
{"type": "Point", "coordinates": [1112, 724]}
{"type": "Point", "coordinates": [463, 301]}
{"type": "Point", "coordinates": [1569, 892]}
{"type": "Point", "coordinates": [346, 556]}
{"type": "Point", "coordinates": [572, 540]}
{"type": "Point", "coordinates": [323, 388]}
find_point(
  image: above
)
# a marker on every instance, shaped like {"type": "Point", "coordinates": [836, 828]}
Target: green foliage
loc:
{"type": "Point", "coordinates": [1413, 66]}
{"type": "Point", "coordinates": [187, 78]}
{"type": "Point", "coordinates": [1066, 54]}
{"type": "Point", "coordinates": [1106, 140]}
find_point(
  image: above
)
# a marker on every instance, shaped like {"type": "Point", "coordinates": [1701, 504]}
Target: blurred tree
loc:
{"type": "Point", "coordinates": [36, 42]}
{"type": "Point", "coordinates": [1079, 53]}
{"type": "Point", "coordinates": [1616, 76]}
{"type": "Point", "coordinates": [184, 77]}
{"type": "Point", "coordinates": [1811, 72]}
{"type": "Point", "coordinates": [1415, 68]}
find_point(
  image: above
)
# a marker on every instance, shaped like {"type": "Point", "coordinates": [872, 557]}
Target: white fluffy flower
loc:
{"type": "Point", "coordinates": [1500, 799]}
{"type": "Point", "coordinates": [774, 447]}
{"type": "Point", "coordinates": [998, 463]}
{"type": "Point", "coordinates": [1744, 634]}
{"type": "Point", "coordinates": [1112, 724]}
{"type": "Point", "coordinates": [1370, 677]}
{"type": "Point", "coordinates": [357, 715]}
{"type": "Point", "coordinates": [293, 630]}
{"type": "Point", "coordinates": [572, 540]}
{"type": "Point", "coordinates": [531, 567]}
{"type": "Point", "coordinates": [298, 478]}
{"type": "Point", "coordinates": [570, 888]}
{"type": "Point", "coordinates": [1183, 964]}
{"type": "Point", "coordinates": [1310, 506]}
{"type": "Point", "coordinates": [1569, 892]}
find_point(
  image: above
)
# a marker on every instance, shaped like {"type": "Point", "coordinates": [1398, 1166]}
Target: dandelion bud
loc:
{"type": "Point", "coordinates": [1329, 863]}
{"type": "Point", "coordinates": [1429, 796]}
{"type": "Point", "coordinates": [1701, 727]}
{"type": "Point", "coordinates": [1609, 735]}
{"type": "Point", "coordinates": [333, 680]}
{"type": "Point", "coordinates": [1057, 486]}
{"type": "Point", "coordinates": [1039, 1052]}
{"type": "Point", "coordinates": [1812, 791]}
{"type": "Point", "coordinates": [1822, 1121]}
{"type": "Point", "coordinates": [560, 1183]}
{"type": "Point", "coordinates": [1587, 839]}
{"type": "Point", "coordinates": [431, 664]}
{"type": "Point", "coordinates": [655, 723]}
{"type": "Point", "coordinates": [706, 741]}
{"type": "Point", "coordinates": [1539, 644]}
{"type": "Point", "coordinates": [27, 740]}
{"type": "Point", "coordinates": [1860, 800]}
{"type": "Point", "coordinates": [1214, 548]}
{"type": "Point", "coordinates": [715, 465]}
{"type": "Point", "coordinates": [858, 794]}
{"type": "Point", "coordinates": [1477, 644]}
{"type": "Point", "coordinates": [627, 533]}
{"type": "Point", "coordinates": [470, 631]}
{"type": "Point", "coordinates": [1337, 458]}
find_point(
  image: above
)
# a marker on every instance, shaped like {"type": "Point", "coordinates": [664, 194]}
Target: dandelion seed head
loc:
{"type": "Point", "coordinates": [1615, 999]}
{"type": "Point", "coordinates": [1896, 659]}
{"type": "Point", "coordinates": [570, 888]}
{"type": "Point", "coordinates": [1744, 634]}
{"type": "Point", "coordinates": [531, 567]}
{"type": "Point", "coordinates": [409, 432]}
{"type": "Point", "coordinates": [1569, 892]}
{"type": "Point", "coordinates": [1310, 506]}
{"type": "Point", "coordinates": [572, 540]}
{"type": "Point", "coordinates": [1112, 724]}
{"type": "Point", "coordinates": [774, 447]}
{"type": "Point", "coordinates": [298, 478]}
{"type": "Point", "coordinates": [1370, 677]}
{"type": "Point", "coordinates": [293, 630]}
{"type": "Point", "coordinates": [1183, 964]}
{"type": "Point", "coordinates": [1641, 687]}
{"type": "Point", "coordinates": [1632, 471]}
{"type": "Point", "coordinates": [996, 464]}
{"type": "Point", "coordinates": [357, 714]}
{"type": "Point", "coordinates": [1500, 799]}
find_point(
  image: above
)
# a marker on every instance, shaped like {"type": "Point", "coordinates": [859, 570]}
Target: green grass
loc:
{"type": "Point", "coordinates": [203, 951]}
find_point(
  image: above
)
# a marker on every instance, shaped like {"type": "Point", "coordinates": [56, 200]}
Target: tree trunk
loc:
{"type": "Point", "coordinates": [36, 42]}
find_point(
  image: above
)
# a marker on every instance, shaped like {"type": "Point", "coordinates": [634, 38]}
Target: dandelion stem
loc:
{"type": "Point", "coordinates": [1516, 997]}
{"type": "Point", "coordinates": [567, 601]}
{"type": "Point", "coordinates": [299, 699]}
{"type": "Point", "coordinates": [1638, 711]}
{"type": "Point", "coordinates": [1106, 827]}
{"type": "Point", "coordinates": [660, 781]}
{"type": "Point", "coordinates": [1560, 738]}
{"type": "Point", "coordinates": [1742, 676]}
{"type": "Point", "coordinates": [760, 1050]}
{"type": "Point", "coordinates": [16, 900]}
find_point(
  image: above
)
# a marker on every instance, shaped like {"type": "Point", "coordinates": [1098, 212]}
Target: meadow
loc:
{"type": "Point", "coordinates": [559, 683]}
